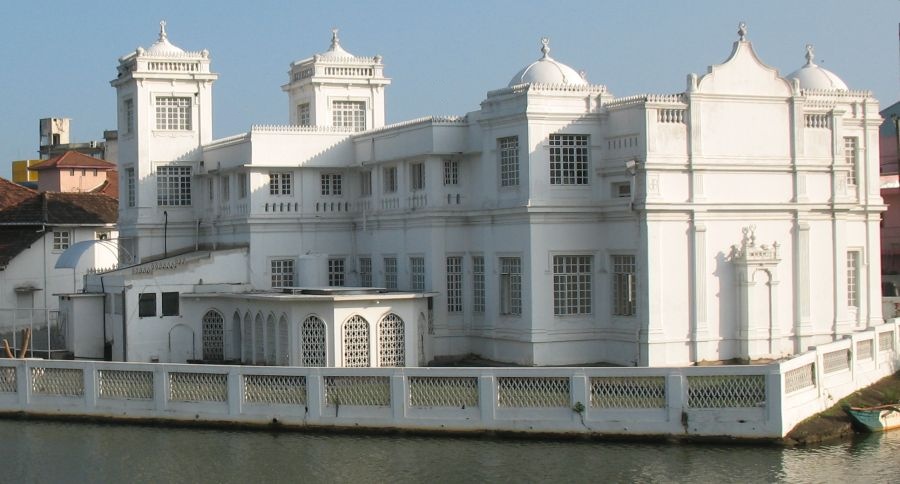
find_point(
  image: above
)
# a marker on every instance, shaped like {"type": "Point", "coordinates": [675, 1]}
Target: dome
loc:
{"type": "Point", "coordinates": [163, 46]}
{"type": "Point", "coordinates": [335, 51]}
{"type": "Point", "coordinates": [546, 70]}
{"type": "Point", "coordinates": [811, 76]}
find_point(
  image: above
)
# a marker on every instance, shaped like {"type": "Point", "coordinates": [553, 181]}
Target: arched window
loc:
{"type": "Point", "coordinates": [213, 336]}
{"type": "Point", "coordinates": [259, 354]}
{"type": "Point", "coordinates": [284, 357]}
{"type": "Point", "coordinates": [356, 343]}
{"type": "Point", "coordinates": [233, 338]}
{"type": "Point", "coordinates": [391, 341]}
{"type": "Point", "coordinates": [270, 340]}
{"type": "Point", "coordinates": [247, 347]}
{"type": "Point", "coordinates": [312, 342]}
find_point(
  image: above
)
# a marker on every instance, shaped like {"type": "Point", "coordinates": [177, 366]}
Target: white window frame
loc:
{"type": "Point", "coordinates": [130, 186]}
{"type": "Point", "coordinates": [173, 185]}
{"type": "Point", "coordinates": [348, 114]}
{"type": "Point", "coordinates": [623, 268]}
{"type": "Point", "coordinates": [390, 272]}
{"type": "Point", "coordinates": [851, 157]}
{"type": "Point", "coordinates": [854, 266]}
{"type": "Point", "coordinates": [478, 284]}
{"type": "Point", "coordinates": [573, 286]}
{"type": "Point", "coordinates": [331, 184]}
{"type": "Point", "coordinates": [303, 115]}
{"type": "Point", "coordinates": [174, 113]}
{"type": "Point", "coordinates": [451, 172]}
{"type": "Point", "coordinates": [365, 271]}
{"type": "Point", "coordinates": [510, 285]}
{"type": "Point", "coordinates": [281, 272]}
{"type": "Point", "coordinates": [62, 239]}
{"type": "Point", "coordinates": [281, 183]}
{"type": "Point", "coordinates": [508, 154]}
{"type": "Point", "coordinates": [417, 273]}
{"type": "Point", "coordinates": [454, 284]}
{"type": "Point", "coordinates": [336, 271]}
{"type": "Point", "coordinates": [570, 159]}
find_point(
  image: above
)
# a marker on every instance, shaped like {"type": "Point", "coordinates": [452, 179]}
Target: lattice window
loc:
{"type": "Point", "coordinates": [358, 390]}
{"type": "Point", "coordinates": [173, 185]}
{"type": "Point", "coordinates": [365, 271]}
{"type": "Point", "coordinates": [864, 349]}
{"type": "Point", "coordinates": [61, 239]}
{"type": "Point", "coordinates": [125, 385]}
{"type": "Point", "coordinates": [886, 341]}
{"type": "Point", "coordinates": [391, 341]}
{"type": "Point", "coordinates": [173, 113]}
{"type": "Point", "coordinates": [336, 271]}
{"type": "Point", "coordinates": [478, 284]}
{"type": "Point", "coordinates": [198, 387]}
{"type": "Point", "coordinates": [430, 391]}
{"type": "Point", "coordinates": [275, 389]}
{"type": "Point", "coordinates": [281, 183]}
{"type": "Point", "coordinates": [853, 278]}
{"type": "Point", "coordinates": [851, 150]}
{"type": "Point", "coordinates": [569, 160]}
{"type": "Point", "coordinates": [8, 380]}
{"type": "Point", "coordinates": [624, 285]}
{"type": "Point", "coordinates": [628, 392]}
{"type": "Point", "coordinates": [331, 184]}
{"type": "Point", "coordinates": [454, 284]}
{"type": "Point", "coordinates": [572, 284]}
{"type": "Point", "coordinates": [349, 114]}
{"type": "Point", "coordinates": [836, 360]}
{"type": "Point", "coordinates": [129, 186]}
{"type": "Point", "coordinates": [451, 172]}
{"type": "Point", "coordinates": [65, 382]}
{"type": "Point", "coordinates": [312, 342]}
{"type": "Point", "coordinates": [417, 274]}
{"type": "Point", "coordinates": [800, 378]}
{"type": "Point", "coordinates": [390, 273]}
{"type": "Point", "coordinates": [284, 356]}
{"type": "Point", "coordinates": [356, 343]}
{"type": "Point", "coordinates": [270, 340]}
{"type": "Point", "coordinates": [282, 273]}
{"type": "Point", "coordinates": [259, 342]}
{"type": "Point", "coordinates": [213, 336]}
{"type": "Point", "coordinates": [247, 341]}
{"type": "Point", "coordinates": [510, 285]}
{"type": "Point", "coordinates": [726, 391]}
{"type": "Point", "coordinates": [508, 150]}
{"type": "Point", "coordinates": [533, 392]}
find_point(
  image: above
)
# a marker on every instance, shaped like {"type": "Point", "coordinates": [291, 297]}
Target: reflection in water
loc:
{"type": "Point", "coordinates": [35, 451]}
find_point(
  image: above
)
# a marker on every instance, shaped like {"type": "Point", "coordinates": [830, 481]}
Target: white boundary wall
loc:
{"type": "Point", "coordinates": [752, 401]}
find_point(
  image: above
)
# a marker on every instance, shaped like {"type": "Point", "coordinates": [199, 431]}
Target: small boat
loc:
{"type": "Point", "coordinates": [875, 419]}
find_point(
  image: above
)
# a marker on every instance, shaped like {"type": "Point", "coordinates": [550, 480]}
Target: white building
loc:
{"type": "Point", "coordinates": [558, 224]}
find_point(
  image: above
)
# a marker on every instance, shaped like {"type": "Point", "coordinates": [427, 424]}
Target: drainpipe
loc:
{"type": "Point", "coordinates": [103, 290]}
{"type": "Point", "coordinates": [124, 329]}
{"type": "Point", "coordinates": [165, 233]}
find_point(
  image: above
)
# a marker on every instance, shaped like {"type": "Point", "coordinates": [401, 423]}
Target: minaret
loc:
{"type": "Point", "coordinates": [164, 105]}
{"type": "Point", "coordinates": [338, 89]}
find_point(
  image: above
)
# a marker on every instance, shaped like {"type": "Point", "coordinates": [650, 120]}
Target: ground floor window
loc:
{"type": "Point", "coordinates": [572, 284]}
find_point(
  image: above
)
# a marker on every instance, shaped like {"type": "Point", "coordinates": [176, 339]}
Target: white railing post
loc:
{"type": "Point", "coordinates": [676, 393]}
{"type": "Point", "coordinates": [89, 374]}
{"type": "Point", "coordinates": [235, 395]}
{"type": "Point", "coordinates": [160, 387]}
{"type": "Point", "coordinates": [487, 399]}
{"type": "Point", "coordinates": [399, 400]}
{"type": "Point", "coordinates": [775, 400]}
{"type": "Point", "coordinates": [581, 393]}
{"type": "Point", "coordinates": [820, 372]}
{"type": "Point", "coordinates": [315, 394]}
{"type": "Point", "coordinates": [23, 384]}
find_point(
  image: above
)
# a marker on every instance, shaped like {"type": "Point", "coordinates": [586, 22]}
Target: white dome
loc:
{"type": "Point", "coordinates": [335, 51]}
{"type": "Point", "coordinates": [811, 76]}
{"type": "Point", "coordinates": [163, 46]}
{"type": "Point", "coordinates": [547, 70]}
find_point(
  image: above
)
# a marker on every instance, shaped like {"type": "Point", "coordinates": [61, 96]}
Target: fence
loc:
{"type": "Point", "coordinates": [48, 331]}
{"type": "Point", "coordinates": [754, 401]}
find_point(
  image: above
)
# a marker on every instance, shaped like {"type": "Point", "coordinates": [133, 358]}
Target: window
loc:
{"type": "Point", "coordinates": [454, 284]}
{"type": "Point", "coordinates": [621, 190]}
{"type": "Point", "coordinates": [331, 184]}
{"type": "Point", "coordinates": [390, 273]}
{"type": "Point", "coordinates": [242, 185]}
{"type": "Point", "coordinates": [280, 183]}
{"type": "Point", "coordinates": [147, 304]}
{"type": "Point", "coordinates": [572, 284]}
{"type": "Point", "coordinates": [850, 154]}
{"type": "Point", "coordinates": [510, 285]}
{"type": "Point", "coordinates": [624, 285]}
{"type": "Point", "coordinates": [61, 240]}
{"type": "Point", "coordinates": [365, 184]}
{"type": "Point", "coordinates": [390, 179]}
{"type": "Point", "coordinates": [853, 278]}
{"type": "Point", "coordinates": [226, 187]}
{"type": "Point", "coordinates": [173, 185]}
{"type": "Point", "coordinates": [365, 271]}
{"type": "Point", "coordinates": [349, 114]}
{"type": "Point", "coordinates": [451, 172]}
{"type": "Point", "coordinates": [95, 172]}
{"type": "Point", "coordinates": [336, 272]}
{"type": "Point", "coordinates": [129, 186]}
{"type": "Point", "coordinates": [72, 172]}
{"type": "Point", "coordinates": [417, 274]}
{"type": "Point", "coordinates": [478, 284]}
{"type": "Point", "coordinates": [103, 235]}
{"type": "Point", "coordinates": [170, 304]}
{"type": "Point", "coordinates": [210, 188]}
{"type": "Point", "coordinates": [128, 106]}
{"type": "Point", "coordinates": [303, 118]}
{"type": "Point", "coordinates": [173, 113]}
{"type": "Point", "coordinates": [508, 148]}
{"type": "Point", "coordinates": [417, 176]}
{"type": "Point", "coordinates": [568, 159]}
{"type": "Point", "coordinates": [282, 273]}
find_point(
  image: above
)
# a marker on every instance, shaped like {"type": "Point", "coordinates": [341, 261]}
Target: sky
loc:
{"type": "Point", "coordinates": [58, 56]}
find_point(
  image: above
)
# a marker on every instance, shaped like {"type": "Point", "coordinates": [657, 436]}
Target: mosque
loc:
{"type": "Point", "coordinates": [556, 225]}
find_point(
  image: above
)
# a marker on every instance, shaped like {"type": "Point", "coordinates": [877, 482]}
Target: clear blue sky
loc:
{"type": "Point", "coordinates": [57, 56]}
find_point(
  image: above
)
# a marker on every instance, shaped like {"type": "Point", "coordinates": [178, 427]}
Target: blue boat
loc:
{"type": "Point", "coordinates": [875, 419]}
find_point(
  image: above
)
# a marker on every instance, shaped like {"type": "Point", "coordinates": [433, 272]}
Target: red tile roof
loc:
{"type": "Point", "coordinates": [12, 194]}
{"type": "Point", "coordinates": [110, 187]}
{"type": "Point", "coordinates": [73, 159]}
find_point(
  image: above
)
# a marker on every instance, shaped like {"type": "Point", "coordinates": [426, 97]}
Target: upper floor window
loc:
{"type": "Point", "coordinates": [621, 189]}
{"type": "Point", "coordinates": [280, 183]}
{"type": "Point", "coordinates": [365, 184]}
{"type": "Point", "coordinates": [508, 149]}
{"type": "Point", "coordinates": [61, 239]}
{"type": "Point", "coordinates": [451, 172]}
{"type": "Point", "coordinates": [569, 159]}
{"type": "Point", "coordinates": [282, 273]}
{"type": "Point", "coordinates": [349, 114]}
{"type": "Point", "coordinates": [417, 274]}
{"type": "Point", "coordinates": [242, 185]}
{"type": "Point", "coordinates": [173, 185]}
{"type": "Point", "coordinates": [146, 304]}
{"type": "Point", "coordinates": [365, 271]}
{"type": "Point", "coordinates": [478, 283]}
{"type": "Point", "coordinates": [336, 271]}
{"type": "Point", "coordinates": [390, 179]}
{"type": "Point", "coordinates": [572, 284]}
{"type": "Point", "coordinates": [128, 106]}
{"type": "Point", "coordinates": [417, 176]}
{"type": "Point", "coordinates": [303, 118]}
{"type": "Point", "coordinates": [170, 306]}
{"type": "Point", "coordinates": [173, 113]}
{"type": "Point", "coordinates": [510, 285]}
{"type": "Point", "coordinates": [390, 273]}
{"type": "Point", "coordinates": [853, 278]}
{"type": "Point", "coordinates": [624, 285]}
{"type": "Point", "coordinates": [454, 284]}
{"type": "Point", "coordinates": [331, 184]}
{"type": "Point", "coordinates": [129, 186]}
{"type": "Point", "coordinates": [226, 187]}
{"type": "Point", "coordinates": [851, 149]}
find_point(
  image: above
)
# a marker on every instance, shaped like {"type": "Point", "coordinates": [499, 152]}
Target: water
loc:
{"type": "Point", "coordinates": [47, 452]}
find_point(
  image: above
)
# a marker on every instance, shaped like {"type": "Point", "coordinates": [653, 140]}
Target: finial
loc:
{"type": "Point", "coordinates": [335, 41]}
{"type": "Point", "coordinates": [742, 31]}
{"type": "Point", "coordinates": [545, 47]}
{"type": "Point", "coordinates": [162, 30]}
{"type": "Point", "coordinates": [810, 55]}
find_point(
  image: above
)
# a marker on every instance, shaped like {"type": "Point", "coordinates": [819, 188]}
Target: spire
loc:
{"type": "Point", "coordinates": [335, 41]}
{"type": "Point", "coordinates": [545, 47]}
{"type": "Point", "coordinates": [742, 32]}
{"type": "Point", "coordinates": [335, 50]}
{"type": "Point", "coordinates": [810, 55]}
{"type": "Point", "coordinates": [162, 31]}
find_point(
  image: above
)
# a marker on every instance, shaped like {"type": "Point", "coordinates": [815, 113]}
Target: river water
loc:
{"type": "Point", "coordinates": [49, 452]}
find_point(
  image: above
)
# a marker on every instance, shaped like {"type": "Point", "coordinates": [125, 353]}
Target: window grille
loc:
{"type": "Point", "coordinates": [510, 285]}
{"type": "Point", "coordinates": [312, 342]}
{"type": "Point", "coordinates": [349, 114]}
{"type": "Point", "coordinates": [853, 278]}
{"type": "Point", "coordinates": [478, 284]}
{"type": "Point", "coordinates": [365, 271]}
{"type": "Point", "coordinates": [572, 284]}
{"type": "Point", "coordinates": [451, 172]}
{"type": "Point", "coordinates": [282, 273]}
{"type": "Point", "coordinates": [280, 183]}
{"type": "Point", "coordinates": [508, 149]}
{"type": "Point", "coordinates": [336, 272]}
{"type": "Point", "coordinates": [356, 343]}
{"type": "Point", "coordinates": [129, 186]}
{"type": "Point", "coordinates": [454, 284]}
{"type": "Point", "coordinates": [569, 159]}
{"type": "Point", "coordinates": [173, 113]}
{"type": "Point", "coordinates": [851, 151]}
{"type": "Point", "coordinates": [624, 285]}
{"type": "Point", "coordinates": [390, 273]}
{"type": "Point", "coordinates": [391, 346]}
{"type": "Point", "coordinates": [173, 185]}
{"type": "Point", "coordinates": [61, 240]}
{"type": "Point", "coordinates": [417, 274]}
{"type": "Point", "coordinates": [213, 336]}
{"type": "Point", "coordinates": [331, 184]}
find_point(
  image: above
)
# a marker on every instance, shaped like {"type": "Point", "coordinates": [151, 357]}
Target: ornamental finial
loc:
{"type": "Point", "coordinates": [335, 41]}
{"type": "Point", "coordinates": [545, 47]}
{"type": "Point", "coordinates": [810, 55]}
{"type": "Point", "coordinates": [162, 30]}
{"type": "Point", "coordinates": [742, 31]}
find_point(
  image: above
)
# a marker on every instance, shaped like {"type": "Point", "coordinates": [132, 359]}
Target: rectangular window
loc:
{"type": "Point", "coordinates": [331, 184]}
{"type": "Point", "coordinates": [853, 278]}
{"type": "Point", "coordinates": [303, 118]}
{"type": "Point", "coordinates": [478, 284]}
{"type": "Point", "coordinates": [61, 240]}
{"type": "Point", "coordinates": [621, 190]}
{"type": "Point", "coordinates": [417, 274]}
{"type": "Point", "coordinates": [210, 188]}
{"type": "Point", "coordinates": [365, 271]}
{"type": "Point", "coordinates": [173, 185]}
{"type": "Point", "coordinates": [173, 113]}
{"type": "Point", "coordinates": [510, 285]}
{"type": "Point", "coordinates": [390, 179]}
{"type": "Point", "coordinates": [390, 273]}
{"type": "Point", "coordinates": [454, 284]}
{"type": "Point", "coordinates": [624, 285]}
{"type": "Point", "coordinates": [282, 273]}
{"type": "Point", "coordinates": [170, 304]}
{"type": "Point", "coordinates": [572, 284]}
{"type": "Point", "coordinates": [508, 149]}
{"type": "Point", "coordinates": [226, 187]}
{"type": "Point", "coordinates": [451, 172]}
{"type": "Point", "coordinates": [147, 304]}
{"type": "Point", "coordinates": [569, 159]}
{"type": "Point", "coordinates": [129, 186]}
{"type": "Point", "coordinates": [336, 271]}
{"type": "Point", "coordinates": [349, 114]}
{"type": "Point", "coordinates": [128, 105]}
{"type": "Point", "coordinates": [365, 184]}
{"type": "Point", "coordinates": [851, 151]}
{"type": "Point", "coordinates": [242, 185]}
{"type": "Point", "coordinates": [417, 176]}
{"type": "Point", "coordinates": [280, 183]}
